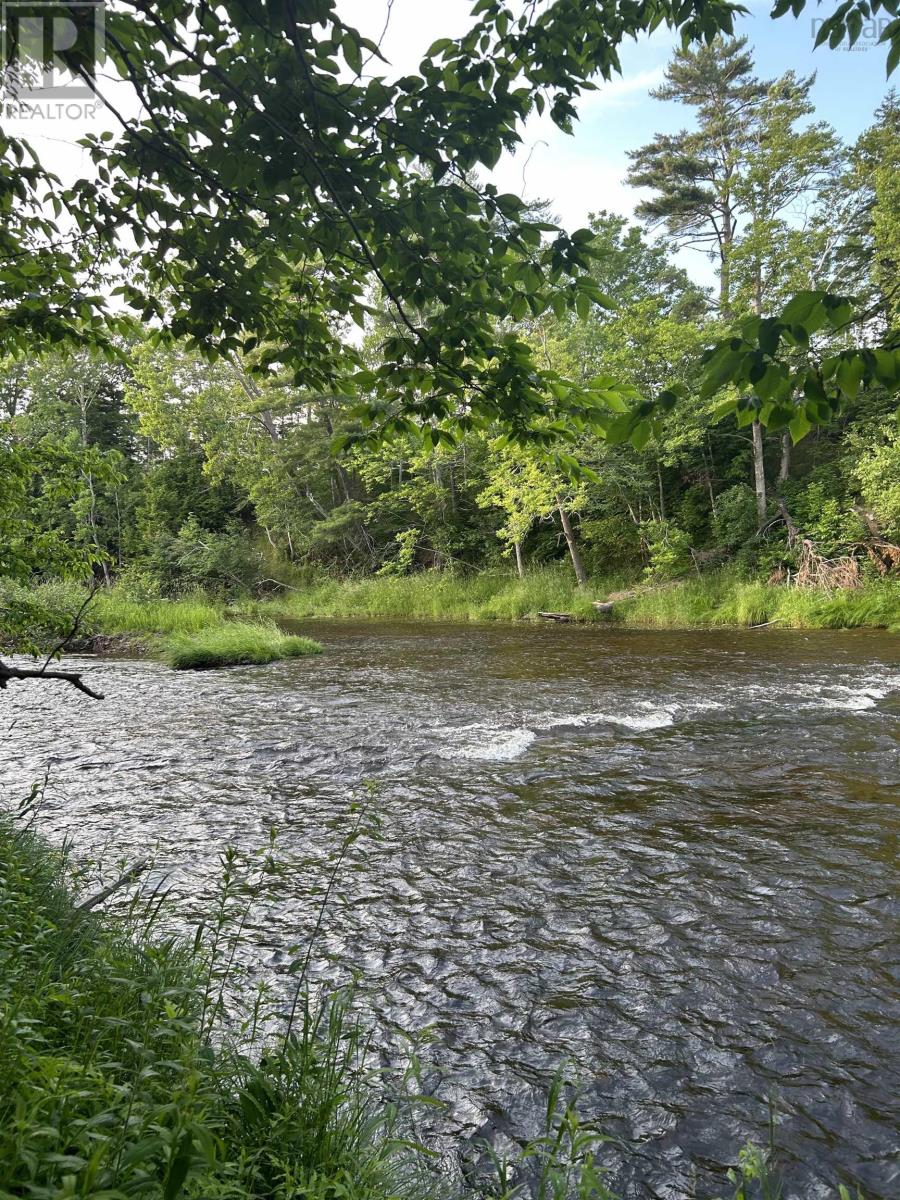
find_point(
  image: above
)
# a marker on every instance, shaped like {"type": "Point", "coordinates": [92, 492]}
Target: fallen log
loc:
{"type": "Point", "coordinates": [562, 618]}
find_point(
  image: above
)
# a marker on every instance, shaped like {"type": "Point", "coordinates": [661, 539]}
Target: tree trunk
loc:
{"type": "Point", "coordinates": [577, 564]}
{"type": "Point", "coordinates": [759, 474]}
{"type": "Point", "coordinates": [662, 494]}
{"type": "Point", "coordinates": [784, 467]}
{"type": "Point", "coordinates": [520, 561]}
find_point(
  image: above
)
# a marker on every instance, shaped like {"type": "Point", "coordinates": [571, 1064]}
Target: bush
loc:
{"type": "Point", "coordinates": [669, 549]}
{"type": "Point", "coordinates": [34, 619]}
{"type": "Point", "coordinates": [877, 474]}
{"type": "Point", "coordinates": [224, 564]}
{"type": "Point", "coordinates": [734, 522]}
{"type": "Point", "coordinates": [610, 544]}
{"type": "Point", "coordinates": [825, 517]}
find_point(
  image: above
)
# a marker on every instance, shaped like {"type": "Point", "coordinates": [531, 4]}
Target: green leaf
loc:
{"type": "Point", "coordinates": [722, 368]}
{"type": "Point", "coordinates": [179, 1167]}
{"type": "Point", "coordinates": [799, 307]}
{"type": "Point", "coordinates": [849, 375]}
{"type": "Point", "coordinates": [640, 435]}
{"type": "Point", "coordinates": [799, 427]}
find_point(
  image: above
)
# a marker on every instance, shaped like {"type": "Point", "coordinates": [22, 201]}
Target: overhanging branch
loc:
{"type": "Point", "coordinates": [74, 677]}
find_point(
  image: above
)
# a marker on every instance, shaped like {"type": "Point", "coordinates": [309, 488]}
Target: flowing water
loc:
{"type": "Point", "coordinates": [668, 859]}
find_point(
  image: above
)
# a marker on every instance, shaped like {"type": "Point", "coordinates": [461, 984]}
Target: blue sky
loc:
{"type": "Point", "coordinates": [586, 172]}
{"type": "Point", "coordinates": [621, 116]}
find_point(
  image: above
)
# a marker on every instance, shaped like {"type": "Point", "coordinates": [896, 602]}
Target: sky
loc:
{"type": "Point", "coordinates": [585, 172]}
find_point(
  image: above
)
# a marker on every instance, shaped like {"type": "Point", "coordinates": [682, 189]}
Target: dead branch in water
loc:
{"type": "Point", "coordinates": [126, 877]}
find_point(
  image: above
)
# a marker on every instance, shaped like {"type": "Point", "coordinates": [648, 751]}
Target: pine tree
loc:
{"type": "Point", "coordinates": [728, 185]}
{"type": "Point", "coordinates": [693, 172]}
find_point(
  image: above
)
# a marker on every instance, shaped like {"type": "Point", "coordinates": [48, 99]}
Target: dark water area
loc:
{"type": "Point", "coordinates": [668, 859]}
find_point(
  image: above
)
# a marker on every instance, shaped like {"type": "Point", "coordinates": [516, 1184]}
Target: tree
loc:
{"type": "Point", "coordinates": [730, 184]}
{"type": "Point", "coordinates": [268, 199]}
{"type": "Point", "coordinates": [523, 485]}
{"type": "Point", "coordinates": [693, 173]}
{"type": "Point", "coordinates": [875, 183]}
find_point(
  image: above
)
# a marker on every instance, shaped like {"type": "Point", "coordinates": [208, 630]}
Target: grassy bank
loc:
{"type": "Point", "coordinates": [723, 601]}
{"type": "Point", "coordinates": [715, 600]}
{"type": "Point", "coordinates": [434, 596]}
{"type": "Point", "coordinates": [192, 632]}
{"type": "Point", "coordinates": [117, 1081]}
{"type": "Point", "coordinates": [201, 632]}
{"type": "Point", "coordinates": [232, 643]}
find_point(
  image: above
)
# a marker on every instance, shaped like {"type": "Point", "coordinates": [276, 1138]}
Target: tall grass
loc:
{"type": "Point", "coordinates": [724, 601]}
{"type": "Point", "coordinates": [116, 1082]}
{"type": "Point", "coordinates": [115, 612]}
{"type": "Point", "coordinates": [234, 643]}
{"type": "Point", "coordinates": [721, 599]}
{"type": "Point", "coordinates": [436, 596]}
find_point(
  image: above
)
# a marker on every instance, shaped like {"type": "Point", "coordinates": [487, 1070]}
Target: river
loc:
{"type": "Point", "coordinates": [668, 859]}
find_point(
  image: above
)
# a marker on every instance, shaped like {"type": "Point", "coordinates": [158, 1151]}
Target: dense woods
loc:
{"type": "Point", "coordinates": [167, 471]}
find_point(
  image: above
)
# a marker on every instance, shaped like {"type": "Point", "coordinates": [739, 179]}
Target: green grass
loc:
{"type": "Point", "coordinates": [192, 632]}
{"type": "Point", "coordinates": [434, 596]}
{"type": "Point", "coordinates": [724, 601]}
{"type": "Point", "coordinates": [715, 600]}
{"type": "Point", "coordinates": [120, 1079]}
{"type": "Point", "coordinates": [113, 612]}
{"type": "Point", "coordinates": [234, 643]}
{"type": "Point", "coordinates": [198, 632]}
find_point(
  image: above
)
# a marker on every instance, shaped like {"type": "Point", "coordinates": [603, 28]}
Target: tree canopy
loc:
{"type": "Point", "coordinates": [270, 186]}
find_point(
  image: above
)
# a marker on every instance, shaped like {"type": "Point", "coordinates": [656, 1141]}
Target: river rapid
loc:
{"type": "Point", "coordinates": [669, 860]}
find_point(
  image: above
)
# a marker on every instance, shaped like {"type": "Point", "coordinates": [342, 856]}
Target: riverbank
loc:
{"type": "Point", "coordinates": [188, 634]}
{"type": "Point", "coordinates": [118, 1077]}
{"type": "Point", "coordinates": [199, 631]}
{"type": "Point", "coordinates": [711, 602]}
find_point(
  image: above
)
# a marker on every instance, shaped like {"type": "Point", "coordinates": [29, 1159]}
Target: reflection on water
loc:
{"type": "Point", "coordinates": [670, 858]}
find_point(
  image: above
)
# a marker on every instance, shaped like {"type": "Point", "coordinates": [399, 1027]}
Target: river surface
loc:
{"type": "Point", "coordinates": [667, 859]}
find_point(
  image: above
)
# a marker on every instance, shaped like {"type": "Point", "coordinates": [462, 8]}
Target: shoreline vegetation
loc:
{"type": "Point", "coordinates": [710, 602]}
{"type": "Point", "coordinates": [234, 643]}
{"type": "Point", "coordinates": [200, 631]}
{"type": "Point", "coordinates": [192, 633]}
{"type": "Point", "coordinates": [128, 1070]}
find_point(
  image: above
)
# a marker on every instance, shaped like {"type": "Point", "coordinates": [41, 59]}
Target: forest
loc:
{"type": "Point", "coordinates": [166, 473]}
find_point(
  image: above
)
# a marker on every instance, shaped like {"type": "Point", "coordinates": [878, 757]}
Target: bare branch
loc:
{"type": "Point", "coordinates": [74, 677]}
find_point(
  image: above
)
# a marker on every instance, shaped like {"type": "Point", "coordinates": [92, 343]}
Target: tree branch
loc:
{"type": "Point", "coordinates": [129, 875]}
{"type": "Point", "coordinates": [74, 677]}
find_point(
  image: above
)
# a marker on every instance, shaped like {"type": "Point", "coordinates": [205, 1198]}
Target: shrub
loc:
{"type": "Point", "coordinates": [224, 563]}
{"type": "Point", "coordinates": [610, 543]}
{"type": "Point", "coordinates": [669, 550]}
{"type": "Point", "coordinates": [734, 522]}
